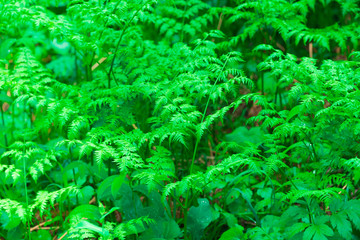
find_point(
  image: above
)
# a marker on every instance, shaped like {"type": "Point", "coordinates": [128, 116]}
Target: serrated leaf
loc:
{"type": "Point", "coordinates": [339, 220]}
{"type": "Point", "coordinates": [318, 232]}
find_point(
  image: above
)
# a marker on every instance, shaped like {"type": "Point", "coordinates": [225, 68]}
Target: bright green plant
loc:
{"type": "Point", "coordinates": [179, 119]}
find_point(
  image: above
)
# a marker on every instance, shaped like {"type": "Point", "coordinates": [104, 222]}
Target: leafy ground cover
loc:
{"type": "Point", "coordinates": [179, 119]}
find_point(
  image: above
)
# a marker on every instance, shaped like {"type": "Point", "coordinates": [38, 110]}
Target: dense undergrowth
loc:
{"type": "Point", "coordinates": [179, 119]}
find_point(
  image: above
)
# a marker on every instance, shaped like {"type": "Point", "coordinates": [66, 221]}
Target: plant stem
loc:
{"type": "Point", "coordinates": [13, 121]}
{"type": "Point", "coordinates": [109, 167]}
{"type": "Point", "coordinates": [3, 123]}
{"type": "Point", "coordinates": [195, 149]}
{"type": "Point", "coordinates": [27, 200]}
{"type": "Point", "coordinates": [73, 170]}
{"type": "Point", "coordinates": [183, 21]}
{"type": "Point", "coordinates": [119, 41]}
{"type": "Point", "coordinates": [92, 158]}
{"type": "Point", "coordinates": [102, 32]}
{"type": "Point", "coordinates": [75, 64]}
{"type": "Point", "coordinates": [262, 84]}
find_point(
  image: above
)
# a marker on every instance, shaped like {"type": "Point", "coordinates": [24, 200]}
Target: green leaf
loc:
{"type": "Point", "coordinates": [297, 228]}
{"type": "Point", "coordinates": [108, 213]}
{"type": "Point", "coordinates": [217, 34]}
{"type": "Point", "coordinates": [105, 189]}
{"type": "Point", "coordinates": [242, 135]}
{"type": "Point", "coordinates": [199, 218]}
{"type": "Point", "coordinates": [235, 233]}
{"type": "Point", "coordinates": [86, 211]}
{"type": "Point", "coordinates": [318, 232]}
{"type": "Point", "coordinates": [5, 47]}
{"type": "Point", "coordinates": [167, 229]}
{"type": "Point", "coordinates": [231, 220]}
{"type": "Point", "coordinates": [87, 225]}
{"type": "Point", "coordinates": [86, 193]}
{"type": "Point", "coordinates": [270, 84]}
{"type": "Point", "coordinates": [232, 196]}
{"type": "Point", "coordinates": [117, 183]}
{"type": "Point", "coordinates": [81, 171]}
{"type": "Point", "coordinates": [339, 220]}
{"type": "Point", "coordinates": [41, 235]}
{"type": "Point", "coordinates": [129, 202]}
{"type": "Point", "coordinates": [15, 233]}
{"type": "Point", "coordinates": [9, 222]}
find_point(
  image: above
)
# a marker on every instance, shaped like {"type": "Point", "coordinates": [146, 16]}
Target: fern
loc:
{"type": "Point", "coordinates": [179, 119]}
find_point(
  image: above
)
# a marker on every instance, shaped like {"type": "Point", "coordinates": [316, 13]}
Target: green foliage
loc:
{"type": "Point", "coordinates": [198, 119]}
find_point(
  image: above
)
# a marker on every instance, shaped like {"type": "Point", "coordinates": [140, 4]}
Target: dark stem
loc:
{"type": "Point", "coordinates": [198, 138]}
{"type": "Point", "coordinates": [101, 33]}
{"type": "Point", "coordinates": [13, 120]}
{"type": "Point", "coordinates": [119, 41]}
{"type": "Point", "coordinates": [262, 83]}
{"type": "Point", "coordinates": [92, 158]}
{"type": "Point", "coordinates": [73, 170]}
{"type": "Point", "coordinates": [109, 167]}
{"type": "Point", "coordinates": [3, 123]}
{"type": "Point", "coordinates": [183, 21]}
{"type": "Point", "coordinates": [31, 112]}
{"type": "Point", "coordinates": [75, 64]}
